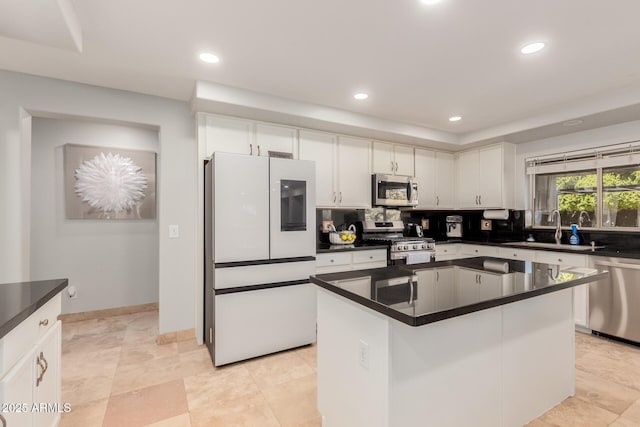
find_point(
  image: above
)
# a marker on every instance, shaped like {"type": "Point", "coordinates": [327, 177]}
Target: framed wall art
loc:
{"type": "Point", "coordinates": [109, 183]}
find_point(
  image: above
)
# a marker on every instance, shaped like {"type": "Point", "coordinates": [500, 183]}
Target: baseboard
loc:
{"type": "Point", "coordinates": [171, 337]}
{"type": "Point", "coordinates": [107, 312]}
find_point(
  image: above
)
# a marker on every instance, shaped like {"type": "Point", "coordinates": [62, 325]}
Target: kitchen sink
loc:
{"type": "Point", "coordinates": [577, 248]}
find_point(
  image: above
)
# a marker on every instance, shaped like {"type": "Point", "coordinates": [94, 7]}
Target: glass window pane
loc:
{"type": "Point", "coordinates": [621, 196]}
{"type": "Point", "coordinates": [574, 194]}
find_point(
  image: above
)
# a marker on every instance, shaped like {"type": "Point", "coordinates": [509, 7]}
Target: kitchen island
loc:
{"type": "Point", "coordinates": [476, 341]}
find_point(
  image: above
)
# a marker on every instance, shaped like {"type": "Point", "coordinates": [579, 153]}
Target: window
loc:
{"type": "Point", "coordinates": [598, 188]}
{"type": "Point", "coordinates": [573, 194]}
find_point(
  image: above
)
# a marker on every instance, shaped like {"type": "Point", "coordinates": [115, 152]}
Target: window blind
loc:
{"type": "Point", "coordinates": [603, 157]}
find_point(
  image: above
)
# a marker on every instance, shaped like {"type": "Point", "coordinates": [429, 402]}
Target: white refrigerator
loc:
{"type": "Point", "coordinates": [259, 253]}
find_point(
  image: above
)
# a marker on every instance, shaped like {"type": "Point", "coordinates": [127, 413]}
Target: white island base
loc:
{"type": "Point", "coordinates": [502, 366]}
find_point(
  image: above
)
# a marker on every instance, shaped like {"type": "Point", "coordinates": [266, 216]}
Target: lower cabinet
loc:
{"type": "Point", "coordinates": [30, 388]}
{"type": "Point", "coordinates": [447, 252]}
{"type": "Point", "coordinates": [350, 260]}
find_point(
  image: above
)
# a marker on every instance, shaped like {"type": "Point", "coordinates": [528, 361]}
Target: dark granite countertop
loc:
{"type": "Point", "coordinates": [19, 300]}
{"type": "Point", "coordinates": [607, 251]}
{"type": "Point", "coordinates": [357, 246]}
{"type": "Point", "coordinates": [446, 289]}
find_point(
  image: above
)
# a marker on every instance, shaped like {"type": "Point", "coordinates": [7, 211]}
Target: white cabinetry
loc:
{"type": "Point", "coordinates": [281, 139]}
{"type": "Point", "coordinates": [240, 136]}
{"type": "Point", "coordinates": [350, 260]}
{"type": "Point", "coordinates": [354, 172]}
{"type": "Point", "coordinates": [30, 374]}
{"type": "Point", "coordinates": [519, 254]}
{"type": "Point", "coordinates": [485, 177]}
{"type": "Point", "coordinates": [392, 159]}
{"type": "Point", "coordinates": [343, 169]}
{"type": "Point", "coordinates": [467, 250]}
{"type": "Point", "coordinates": [447, 252]}
{"type": "Point", "coordinates": [435, 177]}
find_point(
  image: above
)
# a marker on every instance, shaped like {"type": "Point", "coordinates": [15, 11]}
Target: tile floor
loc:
{"type": "Point", "coordinates": [114, 374]}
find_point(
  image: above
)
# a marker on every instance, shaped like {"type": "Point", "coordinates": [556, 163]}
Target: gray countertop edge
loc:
{"type": "Point", "coordinates": [33, 306]}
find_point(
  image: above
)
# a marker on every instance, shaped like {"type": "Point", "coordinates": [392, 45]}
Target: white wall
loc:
{"type": "Point", "coordinates": [111, 263]}
{"type": "Point", "coordinates": [176, 176]}
{"type": "Point", "coordinates": [609, 135]}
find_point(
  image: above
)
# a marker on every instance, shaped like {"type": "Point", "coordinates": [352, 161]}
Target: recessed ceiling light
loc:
{"type": "Point", "coordinates": [430, 2]}
{"type": "Point", "coordinates": [209, 58]}
{"type": "Point", "coordinates": [532, 48]}
{"type": "Point", "coordinates": [360, 96]}
{"type": "Point", "coordinates": [575, 122]}
{"type": "Point", "coordinates": [455, 118]}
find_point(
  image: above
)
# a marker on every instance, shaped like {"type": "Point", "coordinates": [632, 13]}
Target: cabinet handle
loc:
{"type": "Point", "coordinates": [251, 149]}
{"type": "Point", "coordinates": [44, 322]}
{"type": "Point", "coordinates": [341, 197]}
{"type": "Point", "coordinates": [371, 257]}
{"type": "Point", "coordinates": [476, 200]}
{"type": "Point", "coordinates": [331, 260]}
{"type": "Point", "coordinates": [392, 166]}
{"type": "Point", "coordinates": [480, 279]}
{"type": "Point", "coordinates": [559, 259]}
{"type": "Point", "coordinates": [515, 255]}
{"type": "Point", "coordinates": [3, 421]}
{"type": "Point", "coordinates": [437, 200]}
{"type": "Point", "coordinates": [476, 279]}
{"type": "Point", "coordinates": [44, 368]}
{"type": "Point", "coordinates": [437, 276]}
{"type": "Point", "coordinates": [396, 166]}
{"type": "Point", "coordinates": [258, 150]}
{"type": "Point", "coordinates": [480, 199]}
{"type": "Point", "coordinates": [334, 197]}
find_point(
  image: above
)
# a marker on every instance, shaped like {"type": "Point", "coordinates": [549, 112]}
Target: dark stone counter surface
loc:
{"type": "Point", "coordinates": [357, 246]}
{"type": "Point", "coordinates": [425, 293]}
{"type": "Point", "coordinates": [19, 300]}
{"type": "Point", "coordinates": [606, 251]}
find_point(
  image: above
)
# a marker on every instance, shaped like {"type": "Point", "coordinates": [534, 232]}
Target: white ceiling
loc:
{"type": "Point", "coordinates": [420, 64]}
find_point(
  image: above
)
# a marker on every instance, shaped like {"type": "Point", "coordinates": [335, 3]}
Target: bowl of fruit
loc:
{"type": "Point", "coordinates": [344, 237]}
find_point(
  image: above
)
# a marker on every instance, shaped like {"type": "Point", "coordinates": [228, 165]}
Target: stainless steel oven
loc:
{"type": "Point", "coordinates": [394, 190]}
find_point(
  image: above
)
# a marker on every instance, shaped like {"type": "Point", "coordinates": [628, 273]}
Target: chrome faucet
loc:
{"type": "Point", "coordinates": [580, 218]}
{"type": "Point", "coordinates": [558, 234]}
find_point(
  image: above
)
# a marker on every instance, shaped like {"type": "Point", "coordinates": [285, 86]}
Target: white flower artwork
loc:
{"type": "Point", "coordinates": [106, 183]}
{"type": "Point", "coordinates": [110, 183]}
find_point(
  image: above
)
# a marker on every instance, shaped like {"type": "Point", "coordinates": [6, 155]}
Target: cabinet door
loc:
{"type": "Point", "coordinates": [425, 165]}
{"type": "Point", "coordinates": [447, 252]}
{"type": "Point", "coordinates": [466, 286]}
{"type": "Point", "coordinates": [445, 288]}
{"type": "Point", "coordinates": [490, 168]}
{"type": "Point", "coordinates": [274, 138]}
{"type": "Point", "coordinates": [228, 135]}
{"type": "Point", "coordinates": [478, 250]}
{"type": "Point", "coordinates": [354, 173]}
{"type": "Point", "coordinates": [467, 179]}
{"type": "Point", "coordinates": [16, 389]}
{"type": "Point", "coordinates": [383, 161]}
{"type": "Point", "coordinates": [489, 286]}
{"type": "Point", "coordinates": [47, 381]}
{"type": "Point", "coordinates": [403, 155]}
{"type": "Point", "coordinates": [321, 148]}
{"type": "Point", "coordinates": [445, 180]}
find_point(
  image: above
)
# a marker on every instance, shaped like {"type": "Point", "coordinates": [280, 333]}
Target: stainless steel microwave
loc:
{"type": "Point", "coordinates": [394, 190]}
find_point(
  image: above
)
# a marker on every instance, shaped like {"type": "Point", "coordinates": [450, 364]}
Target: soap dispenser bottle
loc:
{"type": "Point", "coordinates": [574, 239]}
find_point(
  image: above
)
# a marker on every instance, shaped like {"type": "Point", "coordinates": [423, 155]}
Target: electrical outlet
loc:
{"type": "Point", "coordinates": [485, 224]}
{"type": "Point", "coordinates": [174, 231]}
{"type": "Point", "coordinates": [425, 224]}
{"type": "Point", "coordinates": [326, 226]}
{"type": "Point", "coordinates": [363, 354]}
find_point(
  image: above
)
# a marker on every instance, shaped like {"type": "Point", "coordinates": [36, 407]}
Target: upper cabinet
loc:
{"type": "Point", "coordinates": [392, 159]}
{"type": "Point", "coordinates": [281, 139]}
{"type": "Point", "coordinates": [435, 176]}
{"type": "Point", "coordinates": [343, 171]}
{"type": "Point", "coordinates": [485, 177]}
{"type": "Point", "coordinates": [233, 135]}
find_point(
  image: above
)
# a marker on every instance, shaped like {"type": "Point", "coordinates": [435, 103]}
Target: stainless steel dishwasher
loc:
{"type": "Point", "coordinates": [614, 303]}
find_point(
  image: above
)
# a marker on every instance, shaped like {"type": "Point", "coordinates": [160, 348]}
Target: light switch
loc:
{"type": "Point", "coordinates": [174, 231]}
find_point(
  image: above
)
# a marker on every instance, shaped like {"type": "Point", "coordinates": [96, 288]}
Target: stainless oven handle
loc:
{"type": "Point", "coordinates": [410, 291]}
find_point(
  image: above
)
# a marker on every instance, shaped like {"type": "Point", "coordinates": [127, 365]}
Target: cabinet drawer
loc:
{"type": "Point", "coordinates": [326, 260]}
{"type": "Point", "coordinates": [24, 336]}
{"type": "Point", "coordinates": [360, 257]}
{"type": "Point", "coordinates": [478, 250]}
{"type": "Point", "coordinates": [561, 258]}
{"type": "Point", "coordinates": [520, 254]}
